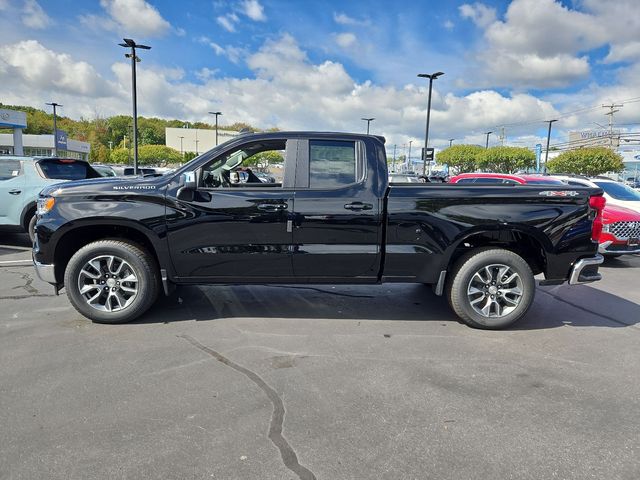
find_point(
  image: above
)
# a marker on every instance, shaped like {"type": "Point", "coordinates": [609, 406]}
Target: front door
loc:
{"type": "Point", "coordinates": [13, 197]}
{"type": "Point", "coordinates": [337, 215]}
{"type": "Point", "coordinates": [236, 228]}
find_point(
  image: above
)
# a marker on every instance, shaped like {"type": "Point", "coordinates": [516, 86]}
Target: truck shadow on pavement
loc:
{"type": "Point", "coordinates": [553, 307]}
{"type": "Point", "coordinates": [12, 243]}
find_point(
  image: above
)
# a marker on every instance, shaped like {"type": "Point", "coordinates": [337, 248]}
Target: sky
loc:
{"type": "Point", "coordinates": [323, 65]}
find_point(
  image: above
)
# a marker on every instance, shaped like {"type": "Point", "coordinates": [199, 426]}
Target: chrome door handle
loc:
{"type": "Point", "coordinates": [15, 192]}
{"type": "Point", "coordinates": [358, 206]}
{"type": "Point", "coordinates": [272, 207]}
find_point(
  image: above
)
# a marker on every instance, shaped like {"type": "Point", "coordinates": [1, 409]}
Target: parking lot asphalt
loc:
{"type": "Point", "coordinates": [344, 382]}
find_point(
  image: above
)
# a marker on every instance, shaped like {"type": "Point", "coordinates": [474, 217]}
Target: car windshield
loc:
{"type": "Point", "coordinates": [9, 169]}
{"type": "Point", "coordinates": [66, 169]}
{"type": "Point", "coordinates": [619, 191]}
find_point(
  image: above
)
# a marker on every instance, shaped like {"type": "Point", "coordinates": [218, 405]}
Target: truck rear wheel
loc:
{"type": "Point", "coordinates": [491, 289]}
{"type": "Point", "coordinates": [111, 281]}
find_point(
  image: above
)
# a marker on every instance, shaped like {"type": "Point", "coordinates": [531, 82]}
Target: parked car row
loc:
{"type": "Point", "coordinates": [620, 232]}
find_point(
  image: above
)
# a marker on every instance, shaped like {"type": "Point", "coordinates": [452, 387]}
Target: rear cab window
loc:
{"type": "Point", "coordinates": [66, 169]}
{"type": "Point", "coordinates": [334, 164]}
{"type": "Point", "coordinates": [9, 169]}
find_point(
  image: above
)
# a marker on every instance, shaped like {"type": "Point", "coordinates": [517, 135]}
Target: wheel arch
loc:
{"type": "Point", "coordinates": [533, 247]}
{"type": "Point", "coordinates": [83, 233]}
{"type": "Point", "coordinates": [25, 214]}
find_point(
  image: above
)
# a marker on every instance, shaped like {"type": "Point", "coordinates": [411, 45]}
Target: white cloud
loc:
{"type": "Point", "coordinates": [33, 16]}
{"type": "Point", "coordinates": [234, 54]}
{"type": "Point", "coordinates": [29, 65]}
{"type": "Point", "coordinates": [478, 13]}
{"type": "Point", "coordinates": [625, 52]}
{"type": "Point", "coordinates": [136, 16]}
{"type": "Point", "coordinates": [345, 40]}
{"type": "Point", "coordinates": [344, 19]}
{"type": "Point", "coordinates": [4, 5]}
{"type": "Point", "coordinates": [253, 10]}
{"type": "Point", "coordinates": [228, 21]}
{"type": "Point", "coordinates": [448, 25]}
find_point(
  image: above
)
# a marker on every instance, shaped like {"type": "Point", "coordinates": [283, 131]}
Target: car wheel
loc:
{"type": "Point", "coordinates": [491, 289]}
{"type": "Point", "coordinates": [31, 228]}
{"type": "Point", "coordinates": [111, 281]}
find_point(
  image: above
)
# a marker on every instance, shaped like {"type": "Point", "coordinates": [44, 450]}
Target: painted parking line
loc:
{"type": "Point", "coordinates": [12, 262]}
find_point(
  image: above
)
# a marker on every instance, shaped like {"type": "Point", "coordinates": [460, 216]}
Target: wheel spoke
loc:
{"type": "Point", "coordinates": [477, 300]}
{"type": "Point", "coordinates": [89, 274]}
{"type": "Point", "coordinates": [88, 288]}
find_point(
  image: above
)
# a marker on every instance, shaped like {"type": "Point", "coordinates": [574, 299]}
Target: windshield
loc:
{"type": "Point", "coordinates": [619, 191]}
{"type": "Point", "coordinates": [9, 169]}
{"type": "Point", "coordinates": [66, 169]}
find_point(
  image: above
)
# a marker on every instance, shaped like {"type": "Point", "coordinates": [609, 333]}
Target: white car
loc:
{"type": "Point", "coordinates": [616, 193]}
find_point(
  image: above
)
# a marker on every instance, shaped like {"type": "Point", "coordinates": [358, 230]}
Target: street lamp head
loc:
{"type": "Point", "coordinates": [368, 119]}
{"type": "Point", "coordinates": [215, 113]}
{"type": "Point", "coordinates": [54, 104]}
{"type": "Point", "coordinates": [129, 43]}
{"type": "Point", "coordinates": [432, 76]}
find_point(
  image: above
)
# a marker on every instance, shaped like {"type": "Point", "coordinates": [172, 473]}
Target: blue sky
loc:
{"type": "Point", "coordinates": [508, 64]}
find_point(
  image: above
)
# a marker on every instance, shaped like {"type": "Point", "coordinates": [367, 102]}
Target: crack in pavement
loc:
{"type": "Point", "coordinates": [22, 297]}
{"type": "Point", "coordinates": [289, 457]}
{"type": "Point", "coordinates": [584, 309]}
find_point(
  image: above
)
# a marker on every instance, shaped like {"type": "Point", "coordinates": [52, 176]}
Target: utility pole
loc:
{"type": "Point", "coordinates": [394, 158]}
{"type": "Point", "coordinates": [487, 134]}
{"type": "Point", "coordinates": [128, 43]}
{"type": "Point", "coordinates": [612, 109]}
{"type": "Point", "coordinates": [502, 136]}
{"type": "Point", "coordinates": [409, 157]}
{"type": "Point", "coordinates": [55, 127]}
{"type": "Point", "coordinates": [451, 141]}
{"type": "Point", "coordinates": [431, 77]}
{"type": "Point", "coordinates": [546, 153]}
{"type": "Point", "coordinates": [368, 120]}
{"type": "Point", "coordinates": [216, 114]}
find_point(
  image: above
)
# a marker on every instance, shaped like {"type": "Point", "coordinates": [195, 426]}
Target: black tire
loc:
{"type": "Point", "coordinates": [460, 284]}
{"type": "Point", "coordinates": [140, 262]}
{"type": "Point", "coordinates": [31, 227]}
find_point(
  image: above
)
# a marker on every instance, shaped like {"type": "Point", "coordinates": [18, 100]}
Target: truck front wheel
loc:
{"type": "Point", "coordinates": [111, 281]}
{"type": "Point", "coordinates": [491, 289]}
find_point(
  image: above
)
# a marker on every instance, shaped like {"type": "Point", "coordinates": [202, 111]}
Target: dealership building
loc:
{"type": "Point", "coordinates": [196, 140]}
{"type": "Point", "coordinates": [17, 143]}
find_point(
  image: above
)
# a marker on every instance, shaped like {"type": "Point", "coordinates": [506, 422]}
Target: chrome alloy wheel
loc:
{"type": "Point", "coordinates": [495, 291]}
{"type": "Point", "coordinates": [108, 283]}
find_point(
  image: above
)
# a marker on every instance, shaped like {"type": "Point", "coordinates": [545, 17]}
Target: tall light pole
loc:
{"type": "Point", "coordinates": [181, 150]}
{"type": "Point", "coordinates": [487, 134]}
{"type": "Point", "coordinates": [55, 127]}
{"type": "Point", "coordinates": [216, 114]}
{"type": "Point", "coordinates": [128, 43]}
{"type": "Point", "coordinates": [394, 157]}
{"type": "Point", "coordinates": [546, 153]}
{"type": "Point", "coordinates": [431, 77]}
{"type": "Point", "coordinates": [409, 157]}
{"type": "Point", "coordinates": [368, 120]}
{"type": "Point", "coordinates": [451, 141]}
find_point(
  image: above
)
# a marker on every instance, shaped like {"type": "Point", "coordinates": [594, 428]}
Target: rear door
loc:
{"type": "Point", "coordinates": [12, 191]}
{"type": "Point", "coordinates": [337, 214]}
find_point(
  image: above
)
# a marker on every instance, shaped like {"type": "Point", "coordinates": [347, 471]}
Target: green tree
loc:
{"type": "Point", "coordinates": [461, 158]}
{"type": "Point", "coordinates": [262, 160]}
{"type": "Point", "coordinates": [189, 156]}
{"type": "Point", "coordinates": [120, 156]}
{"type": "Point", "coordinates": [506, 159]}
{"type": "Point", "coordinates": [158, 155]}
{"type": "Point", "coordinates": [590, 161]}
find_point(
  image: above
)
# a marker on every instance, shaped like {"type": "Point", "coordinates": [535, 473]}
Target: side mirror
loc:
{"type": "Point", "coordinates": [188, 186]}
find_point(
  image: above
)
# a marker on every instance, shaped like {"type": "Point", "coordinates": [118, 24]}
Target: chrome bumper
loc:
{"type": "Point", "coordinates": [604, 249]}
{"type": "Point", "coordinates": [45, 272]}
{"type": "Point", "coordinates": [578, 275]}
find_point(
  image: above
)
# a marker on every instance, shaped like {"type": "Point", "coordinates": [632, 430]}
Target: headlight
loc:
{"type": "Point", "coordinates": [45, 205]}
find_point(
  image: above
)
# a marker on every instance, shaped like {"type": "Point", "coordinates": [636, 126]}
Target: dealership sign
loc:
{"type": "Point", "coordinates": [13, 119]}
{"type": "Point", "coordinates": [61, 140]}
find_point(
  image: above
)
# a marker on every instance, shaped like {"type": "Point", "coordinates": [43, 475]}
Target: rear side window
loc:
{"type": "Point", "coordinates": [9, 169]}
{"type": "Point", "coordinates": [466, 180]}
{"type": "Point", "coordinates": [332, 164]}
{"type": "Point", "coordinates": [63, 169]}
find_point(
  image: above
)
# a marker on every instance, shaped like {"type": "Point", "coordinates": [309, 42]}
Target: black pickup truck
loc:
{"type": "Point", "coordinates": [331, 217]}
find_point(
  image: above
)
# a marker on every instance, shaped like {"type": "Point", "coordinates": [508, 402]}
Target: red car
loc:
{"type": "Point", "coordinates": [620, 231]}
{"type": "Point", "coordinates": [620, 226]}
{"type": "Point", "coordinates": [503, 178]}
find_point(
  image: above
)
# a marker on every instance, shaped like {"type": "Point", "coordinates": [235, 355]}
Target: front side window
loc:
{"type": "Point", "coordinates": [9, 169]}
{"type": "Point", "coordinates": [259, 164]}
{"type": "Point", "coordinates": [332, 164]}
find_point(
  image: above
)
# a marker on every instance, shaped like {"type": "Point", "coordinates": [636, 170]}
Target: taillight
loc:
{"type": "Point", "coordinates": [597, 203]}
